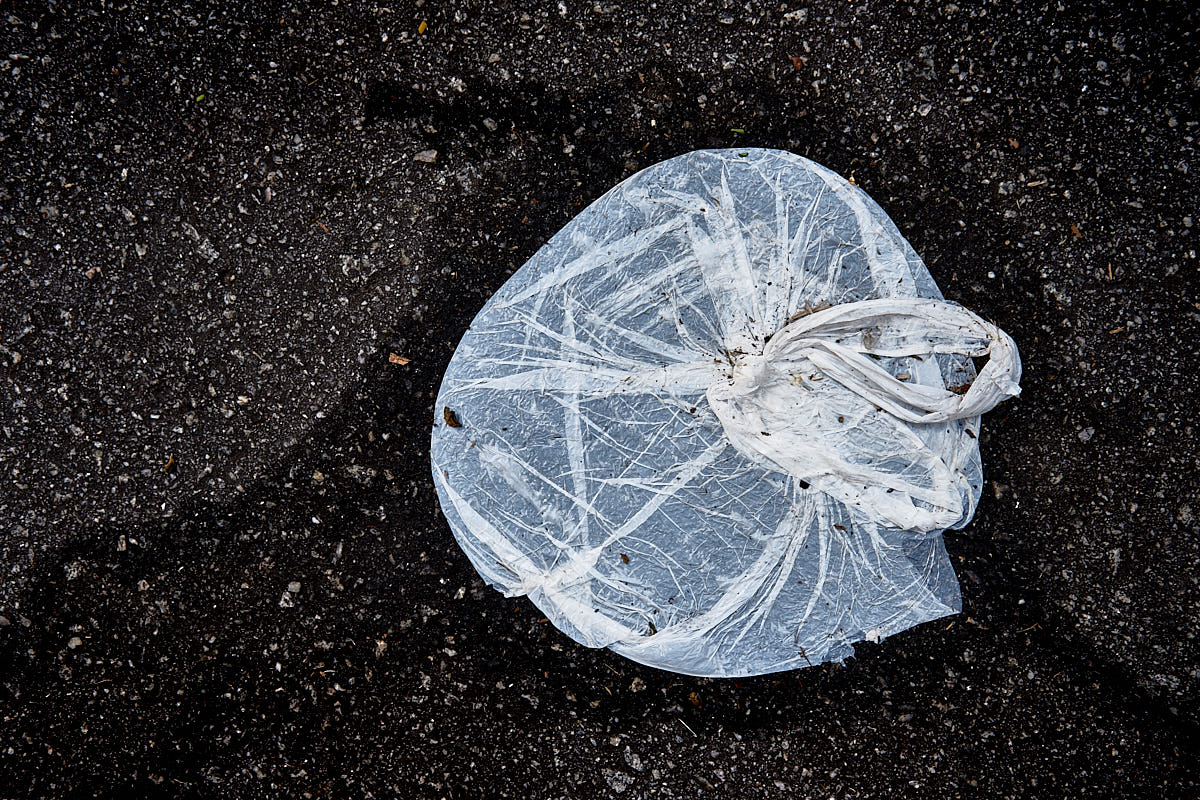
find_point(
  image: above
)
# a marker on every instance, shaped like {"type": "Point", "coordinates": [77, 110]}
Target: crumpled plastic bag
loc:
{"type": "Point", "coordinates": [718, 423]}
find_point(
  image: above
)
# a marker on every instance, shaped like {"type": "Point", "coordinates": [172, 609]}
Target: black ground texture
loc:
{"type": "Point", "coordinates": [224, 571]}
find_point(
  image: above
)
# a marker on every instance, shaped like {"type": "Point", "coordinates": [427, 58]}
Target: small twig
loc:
{"type": "Point", "coordinates": [808, 310]}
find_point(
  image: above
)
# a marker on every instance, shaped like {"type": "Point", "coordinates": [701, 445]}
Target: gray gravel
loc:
{"type": "Point", "coordinates": [224, 569]}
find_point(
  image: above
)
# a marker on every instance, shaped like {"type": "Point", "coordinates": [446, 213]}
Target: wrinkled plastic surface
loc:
{"type": "Point", "coordinates": [720, 420]}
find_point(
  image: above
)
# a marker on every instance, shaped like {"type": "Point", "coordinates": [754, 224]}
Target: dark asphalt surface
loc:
{"type": "Point", "coordinates": [224, 569]}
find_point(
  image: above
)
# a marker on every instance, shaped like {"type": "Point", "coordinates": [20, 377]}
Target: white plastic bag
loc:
{"type": "Point", "coordinates": [720, 420]}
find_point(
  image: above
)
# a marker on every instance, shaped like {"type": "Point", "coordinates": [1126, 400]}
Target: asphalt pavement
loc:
{"type": "Point", "coordinates": [239, 246]}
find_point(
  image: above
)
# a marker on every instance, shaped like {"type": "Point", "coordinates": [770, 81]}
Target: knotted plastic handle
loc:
{"type": "Point", "coordinates": [781, 408]}
{"type": "Point", "coordinates": [840, 338]}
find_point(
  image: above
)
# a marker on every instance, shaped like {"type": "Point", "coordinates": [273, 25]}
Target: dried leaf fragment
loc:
{"type": "Point", "coordinates": [393, 358]}
{"type": "Point", "coordinates": [451, 418]}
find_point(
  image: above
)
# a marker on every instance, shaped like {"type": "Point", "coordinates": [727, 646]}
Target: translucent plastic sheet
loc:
{"type": "Point", "coordinates": [720, 420]}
